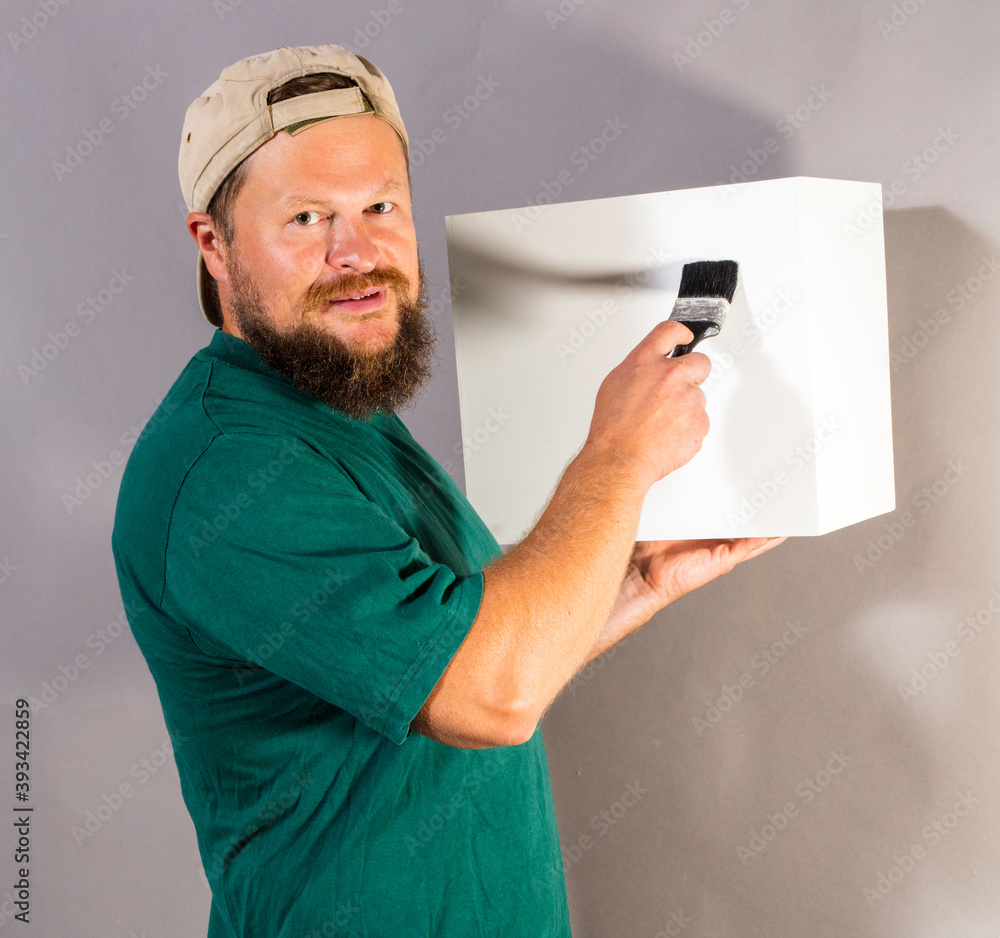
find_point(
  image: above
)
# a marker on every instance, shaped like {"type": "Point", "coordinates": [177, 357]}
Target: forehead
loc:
{"type": "Point", "coordinates": [356, 154]}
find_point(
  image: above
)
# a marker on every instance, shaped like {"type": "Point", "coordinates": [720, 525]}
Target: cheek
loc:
{"type": "Point", "coordinates": [402, 253]}
{"type": "Point", "coordinates": [293, 267]}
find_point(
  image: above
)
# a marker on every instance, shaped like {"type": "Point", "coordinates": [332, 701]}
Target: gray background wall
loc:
{"type": "Point", "coordinates": [876, 809]}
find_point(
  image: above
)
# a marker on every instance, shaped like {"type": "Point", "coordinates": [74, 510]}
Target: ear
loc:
{"type": "Point", "coordinates": [209, 243]}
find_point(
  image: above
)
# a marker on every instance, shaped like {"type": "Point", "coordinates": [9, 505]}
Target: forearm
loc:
{"type": "Point", "coordinates": [632, 608]}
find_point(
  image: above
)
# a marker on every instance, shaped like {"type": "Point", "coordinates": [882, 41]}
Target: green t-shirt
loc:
{"type": "Point", "coordinates": [298, 581]}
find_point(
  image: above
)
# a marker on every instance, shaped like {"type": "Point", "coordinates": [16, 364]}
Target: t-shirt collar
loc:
{"type": "Point", "coordinates": [232, 349]}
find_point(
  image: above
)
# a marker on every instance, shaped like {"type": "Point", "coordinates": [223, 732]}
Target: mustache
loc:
{"type": "Point", "coordinates": [353, 284]}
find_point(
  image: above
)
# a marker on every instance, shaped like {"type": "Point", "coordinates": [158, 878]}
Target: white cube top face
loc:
{"type": "Point", "coordinates": [553, 297]}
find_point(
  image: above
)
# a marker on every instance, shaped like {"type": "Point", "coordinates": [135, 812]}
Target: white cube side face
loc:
{"type": "Point", "coordinates": [555, 296]}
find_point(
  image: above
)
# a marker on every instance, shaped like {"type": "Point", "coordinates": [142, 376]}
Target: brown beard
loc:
{"type": "Point", "coordinates": [356, 382]}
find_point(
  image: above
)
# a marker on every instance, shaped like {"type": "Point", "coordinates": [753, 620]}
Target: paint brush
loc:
{"type": "Point", "coordinates": [707, 288]}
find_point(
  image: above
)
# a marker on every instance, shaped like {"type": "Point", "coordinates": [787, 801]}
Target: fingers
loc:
{"type": "Point", "coordinates": [754, 546]}
{"type": "Point", "coordinates": [664, 338]}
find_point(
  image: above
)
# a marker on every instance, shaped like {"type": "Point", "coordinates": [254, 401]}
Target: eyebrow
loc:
{"type": "Point", "coordinates": [299, 199]}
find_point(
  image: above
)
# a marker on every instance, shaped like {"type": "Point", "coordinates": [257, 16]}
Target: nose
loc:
{"type": "Point", "coordinates": [352, 247]}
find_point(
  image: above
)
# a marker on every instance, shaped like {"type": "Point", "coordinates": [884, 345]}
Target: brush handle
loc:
{"type": "Point", "coordinates": [702, 329]}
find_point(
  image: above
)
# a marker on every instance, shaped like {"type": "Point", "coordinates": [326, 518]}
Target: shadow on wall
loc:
{"type": "Point", "coordinates": [809, 734]}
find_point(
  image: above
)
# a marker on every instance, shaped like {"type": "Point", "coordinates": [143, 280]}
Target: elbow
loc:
{"type": "Point", "coordinates": [514, 727]}
{"type": "Point", "coordinates": [477, 726]}
{"type": "Point", "coordinates": [509, 718]}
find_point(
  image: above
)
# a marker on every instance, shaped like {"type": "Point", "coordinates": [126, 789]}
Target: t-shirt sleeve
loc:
{"type": "Point", "coordinates": [275, 555]}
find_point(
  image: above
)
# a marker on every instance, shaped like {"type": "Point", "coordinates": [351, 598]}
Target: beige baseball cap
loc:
{"type": "Point", "coordinates": [232, 118]}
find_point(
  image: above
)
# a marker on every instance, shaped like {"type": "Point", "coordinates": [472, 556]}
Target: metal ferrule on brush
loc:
{"type": "Point", "coordinates": [703, 315]}
{"type": "Point", "coordinates": [709, 309]}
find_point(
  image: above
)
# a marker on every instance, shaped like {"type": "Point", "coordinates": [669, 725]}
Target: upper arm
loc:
{"type": "Point", "coordinates": [279, 556]}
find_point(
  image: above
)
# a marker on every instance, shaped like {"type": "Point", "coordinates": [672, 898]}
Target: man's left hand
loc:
{"type": "Point", "coordinates": [661, 571]}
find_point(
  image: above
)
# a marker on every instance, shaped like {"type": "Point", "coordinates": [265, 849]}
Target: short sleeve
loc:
{"type": "Point", "coordinates": [277, 556]}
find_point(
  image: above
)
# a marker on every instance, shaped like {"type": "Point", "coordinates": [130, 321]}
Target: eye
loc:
{"type": "Point", "coordinates": [382, 208]}
{"type": "Point", "coordinates": [304, 219]}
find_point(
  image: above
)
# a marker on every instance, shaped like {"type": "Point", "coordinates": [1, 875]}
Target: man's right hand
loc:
{"type": "Point", "coordinates": [650, 411]}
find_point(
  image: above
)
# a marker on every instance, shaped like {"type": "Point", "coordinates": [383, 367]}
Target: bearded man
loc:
{"type": "Point", "coordinates": [351, 671]}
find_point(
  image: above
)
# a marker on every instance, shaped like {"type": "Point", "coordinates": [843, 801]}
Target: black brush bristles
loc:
{"type": "Point", "coordinates": [707, 288]}
{"type": "Point", "coordinates": [709, 279]}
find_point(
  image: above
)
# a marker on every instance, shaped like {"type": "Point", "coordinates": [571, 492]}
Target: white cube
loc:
{"type": "Point", "coordinates": [548, 299]}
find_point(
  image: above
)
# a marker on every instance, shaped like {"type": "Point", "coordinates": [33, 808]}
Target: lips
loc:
{"type": "Point", "coordinates": [363, 302]}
